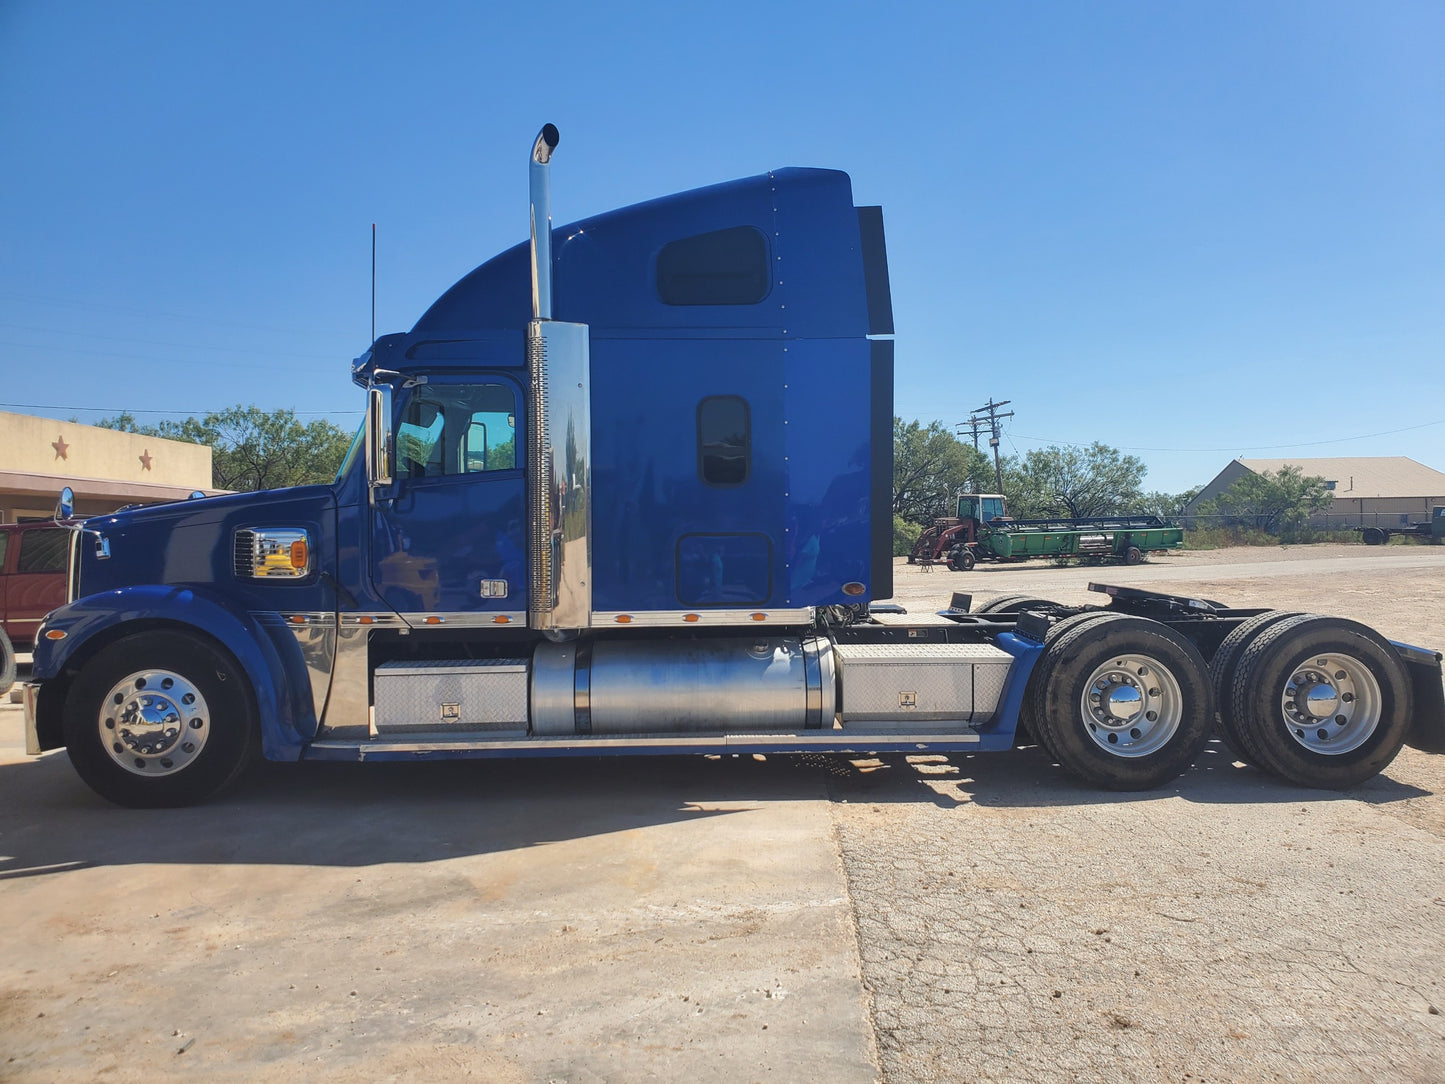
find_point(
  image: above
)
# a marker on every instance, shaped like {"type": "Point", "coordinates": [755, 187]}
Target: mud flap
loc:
{"type": "Point", "coordinates": [1427, 728]}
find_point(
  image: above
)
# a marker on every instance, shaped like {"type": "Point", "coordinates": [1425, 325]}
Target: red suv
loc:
{"type": "Point", "coordinates": [34, 558]}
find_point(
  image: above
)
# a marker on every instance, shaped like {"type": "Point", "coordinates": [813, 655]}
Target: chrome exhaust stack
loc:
{"type": "Point", "coordinates": [559, 434]}
{"type": "Point", "coordinates": [540, 184]}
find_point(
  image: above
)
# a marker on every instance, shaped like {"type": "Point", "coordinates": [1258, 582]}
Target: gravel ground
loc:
{"type": "Point", "coordinates": [1017, 926]}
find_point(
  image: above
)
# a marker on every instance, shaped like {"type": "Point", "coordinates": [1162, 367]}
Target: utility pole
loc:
{"type": "Point", "coordinates": [995, 416]}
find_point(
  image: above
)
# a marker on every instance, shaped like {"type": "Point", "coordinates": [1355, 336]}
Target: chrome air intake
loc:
{"type": "Point", "coordinates": [559, 433]}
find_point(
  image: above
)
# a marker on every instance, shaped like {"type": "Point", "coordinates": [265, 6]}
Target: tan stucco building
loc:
{"type": "Point", "coordinates": [105, 468]}
{"type": "Point", "coordinates": [1367, 491]}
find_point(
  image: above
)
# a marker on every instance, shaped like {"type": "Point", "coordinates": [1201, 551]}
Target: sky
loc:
{"type": "Point", "coordinates": [1193, 231]}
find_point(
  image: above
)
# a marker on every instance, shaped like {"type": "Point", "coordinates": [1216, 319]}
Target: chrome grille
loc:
{"type": "Point", "coordinates": [245, 553]}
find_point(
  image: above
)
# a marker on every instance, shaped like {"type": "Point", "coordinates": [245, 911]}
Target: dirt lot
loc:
{"type": "Point", "coordinates": [910, 919]}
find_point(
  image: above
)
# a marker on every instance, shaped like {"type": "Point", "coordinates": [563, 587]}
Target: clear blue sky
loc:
{"type": "Point", "coordinates": [1195, 230]}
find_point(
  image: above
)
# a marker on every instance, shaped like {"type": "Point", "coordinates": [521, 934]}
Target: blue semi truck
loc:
{"type": "Point", "coordinates": [625, 489]}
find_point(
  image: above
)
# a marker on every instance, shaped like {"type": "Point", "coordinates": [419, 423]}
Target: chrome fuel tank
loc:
{"type": "Point", "coordinates": [714, 686]}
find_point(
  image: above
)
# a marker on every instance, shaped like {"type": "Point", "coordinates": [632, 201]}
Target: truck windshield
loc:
{"type": "Point", "coordinates": [350, 453]}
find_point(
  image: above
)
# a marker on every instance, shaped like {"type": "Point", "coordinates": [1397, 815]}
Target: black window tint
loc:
{"type": "Point", "coordinates": [725, 267]}
{"type": "Point", "coordinates": [44, 551]}
{"type": "Point", "coordinates": [724, 440]}
{"type": "Point", "coordinates": [4, 542]}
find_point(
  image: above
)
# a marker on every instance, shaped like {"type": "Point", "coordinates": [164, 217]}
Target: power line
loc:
{"type": "Point", "coordinates": [995, 426]}
{"type": "Point", "coordinates": [1240, 448]}
{"type": "Point", "coordinates": [141, 410]}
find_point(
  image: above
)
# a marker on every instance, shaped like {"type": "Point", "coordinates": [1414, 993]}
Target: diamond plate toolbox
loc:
{"type": "Point", "coordinates": [899, 682]}
{"type": "Point", "coordinates": [443, 694]}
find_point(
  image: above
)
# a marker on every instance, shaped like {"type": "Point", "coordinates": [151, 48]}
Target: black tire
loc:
{"type": "Point", "coordinates": [137, 675]}
{"type": "Point", "coordinates": [1145, 663]}
{"type": "Point", "coordinates": [1375, 536]}
{"type": "Point", "coordinates": [961, 559]}
{"type": "Point", "coordinates": [1028, 728]}
{"type": "Point", "coordinates": [1133, 555]}
{"type": "Point", "coordinates": [1371, 693]}
{"type": "Point", "coordinates": [1013, 604]}
{"type": "Point", "coordinates": [7, 663]}
{"type": "Point", "coordinates": [1223, 669]}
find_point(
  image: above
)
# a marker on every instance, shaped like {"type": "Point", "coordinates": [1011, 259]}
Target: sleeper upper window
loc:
{"type": "Point", "coordinates": [725, 267]}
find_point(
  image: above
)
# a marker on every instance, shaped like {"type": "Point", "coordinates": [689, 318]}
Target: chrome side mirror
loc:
{"type": "Point", "coordinates": [65, 507]}
{"type": "Point", "coordinates": [378, 436]}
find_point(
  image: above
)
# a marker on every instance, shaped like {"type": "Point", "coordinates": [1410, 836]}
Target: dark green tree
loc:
{"type": "Point", "coordinates": [1272, 501]}
{"type": "Point", "coordinates": [1164, 505]}
{"type": "Point", "coordinates": [1077, 482]}
{"type": "Point", "coordinates": [252, 448]}
{"type": "Point", "coordinates": [930, 466]}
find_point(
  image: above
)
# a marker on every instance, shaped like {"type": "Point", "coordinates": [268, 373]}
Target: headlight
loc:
{"type": "Point", "coordinates": [266, 553]}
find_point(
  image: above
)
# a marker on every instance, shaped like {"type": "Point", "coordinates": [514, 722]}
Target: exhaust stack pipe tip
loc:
{"type": "Point", "coordinates": [541, 196]}
{"type": "Point", "coordinates": [546, 143]}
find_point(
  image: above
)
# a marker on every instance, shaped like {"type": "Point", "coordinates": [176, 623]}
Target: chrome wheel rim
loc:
{"type": "Point", "coordinates": [1132, 706]}
{"type": "Point", "coordinates": [1331, 703]}
{"type": "Point", "coordinates": [154, 722]}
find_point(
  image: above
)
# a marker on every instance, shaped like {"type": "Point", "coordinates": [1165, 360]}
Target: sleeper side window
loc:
{"type": "Point", "coordinates": [449, 429]}
{"type": "Point", "coordinates": [724, 440]}
{"type": "Point", "coordinates": [724, 267]}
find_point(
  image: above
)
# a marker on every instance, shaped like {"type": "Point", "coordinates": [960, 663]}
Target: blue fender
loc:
{"type": "Point", "coordinates": [273, 665]}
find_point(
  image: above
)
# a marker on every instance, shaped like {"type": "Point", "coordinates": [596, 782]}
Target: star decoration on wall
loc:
{"type": "Point", "coordinates": [145, 459]}
{"type": "Point", "coordinates": [62, 450]}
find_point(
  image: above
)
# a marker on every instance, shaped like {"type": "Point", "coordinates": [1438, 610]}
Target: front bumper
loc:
{"type": "Point", "coordinates": [30, 696]}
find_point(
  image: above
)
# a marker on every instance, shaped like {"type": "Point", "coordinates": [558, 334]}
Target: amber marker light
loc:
{"type": "Point", "coordinates": [55, 634]}
{"type": "Point", "coordinates": [760, 617]}
{"type": "Point", "coordinates": [689, 617]}
{"type": "Point", "coordinates": [297, 619]}
{"type": "Point", "coordinates": [299, 553]}
{"type": "Point", "coordinates": [854, 588]}
{"type": "Point", "coordinates": [433, 620]}
{"type": "Point", "coordinates": [365, 620]}
{"type": "Point", "coordinates": [624, 619]}
{"type": "Point", "coordinates": [501, 619]}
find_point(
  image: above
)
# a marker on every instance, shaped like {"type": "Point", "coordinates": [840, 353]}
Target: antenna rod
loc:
{"type": "Point", "coordinates": [373, 282]}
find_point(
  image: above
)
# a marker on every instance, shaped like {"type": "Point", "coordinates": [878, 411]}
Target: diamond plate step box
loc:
{"type": "Point", "coordinates": [914, 682]}
{"type": "Point", "coordinates": [473, 695]}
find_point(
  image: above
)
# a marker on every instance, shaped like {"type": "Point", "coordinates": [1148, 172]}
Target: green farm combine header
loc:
{"type": "Point", "coordinates": [982, 531]}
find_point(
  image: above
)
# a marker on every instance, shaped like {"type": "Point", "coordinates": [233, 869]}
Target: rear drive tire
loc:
{"type": "Point", "coordinates": [1375, 536]}
{"type": "Point", "coordinates": [160, 719]}
{"type": "Point", "coordinates": [1326, 702]}
{"type": "Point", "coordinates": [1029, 727]}
{"type": "Point", "coordinates": [1223, 669]}
{"type": "Point", "coordinates": [1133, 555]}
{"type": "Point", "coordinates": [1013, 604]}
{"type": "Point", "coordinates": [1125, 702]}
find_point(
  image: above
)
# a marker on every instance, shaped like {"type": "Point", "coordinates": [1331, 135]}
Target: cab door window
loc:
{"type": "Point", "coordinates": [449, 429]}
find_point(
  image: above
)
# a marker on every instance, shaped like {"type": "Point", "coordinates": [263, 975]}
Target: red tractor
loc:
{"type": "Point", "coordinates": [974, 509]}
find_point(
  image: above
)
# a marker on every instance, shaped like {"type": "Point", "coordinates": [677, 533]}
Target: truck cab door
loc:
{"type": "Point", "coordinates": [448, 542]}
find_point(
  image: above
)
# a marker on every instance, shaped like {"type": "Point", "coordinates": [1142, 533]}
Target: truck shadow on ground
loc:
{"type": "Point", "coordinates": [367, 814]}
{"type": "Point", "coordinates": [1028, 779]}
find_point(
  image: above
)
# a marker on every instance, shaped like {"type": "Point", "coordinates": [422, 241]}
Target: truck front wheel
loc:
{"type": "Point", "coordinates": [1122, 702]}
{"type": "Point", "coordinates": [159, 719]}
{"type": "Point", "coordinates": [1323, 701]}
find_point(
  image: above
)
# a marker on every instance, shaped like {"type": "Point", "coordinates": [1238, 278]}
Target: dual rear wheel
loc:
{"type": "Point", "coordinates": [1128, 703]}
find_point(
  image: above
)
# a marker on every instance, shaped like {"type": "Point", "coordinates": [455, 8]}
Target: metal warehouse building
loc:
{"type": "Point", "coordinates": [1368, 491]}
